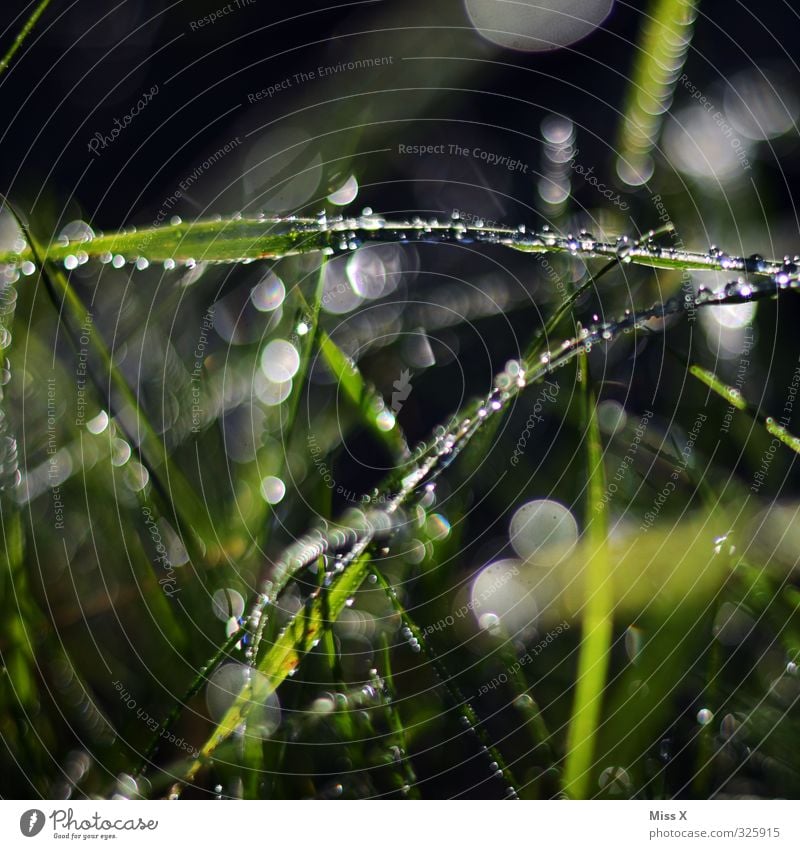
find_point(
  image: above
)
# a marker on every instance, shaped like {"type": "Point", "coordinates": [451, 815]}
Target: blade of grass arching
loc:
{"type": "Point", "coordinates": [242, 239]}
{"type": "Point", "coordinates": [735, 399]}
{"type": "Point", "coordinates": [199, 680]}
{"type": "Point", "coordinates": [177, 494]}
{"type": "Point", "coordinates": [366, 400]}
{"type": "Point", "coordinates": [461, 704]}
{"type": "Point", "coordinates": [22, 35]}
{"type": "Point", "coordinates": [662, 50]}
{"type": "Point", "coordinates": [284, 655]}
{"type": "Point", "coordinates": [597, 623]}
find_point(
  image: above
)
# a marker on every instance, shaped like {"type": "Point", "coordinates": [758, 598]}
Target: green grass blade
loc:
{"type": "Point", "coordinates": [284, 655]}
{"type": "Point", "coordinates": [662, 51]}
{"type": "Point", "coordinates": [177, 494]}
{"type": "Point", "coordinates": [246, 239]}
{"type": "Point", "coordinates": [597, 611]}
{"type": "Point", "coordinates": [367, 401]}
{"type": "Point", "coordinates": [22, 35]}
{"type": "Point", "coordinates": [735, 398]}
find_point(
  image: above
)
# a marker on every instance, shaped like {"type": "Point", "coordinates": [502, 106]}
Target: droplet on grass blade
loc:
{"type": "Point", "coordinates": [346, 193]}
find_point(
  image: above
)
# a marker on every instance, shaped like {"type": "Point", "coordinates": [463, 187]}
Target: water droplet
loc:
{"type": "Point", "coordinates": [227, 603]}
{"type": "Point", "coordinates": [273, 489]}
{"type": "Point", "coordinates": [269, 294]}
{"type": "Point", "coordinates": [704, 716]}
{"type": "Point", "coordinates": [543, 532]}
{"type": "Point", "coordinates": [280, 361]}
{"type": "Point", "coordinates": [346, 193]}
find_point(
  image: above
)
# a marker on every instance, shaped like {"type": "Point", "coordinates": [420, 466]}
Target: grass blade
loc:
{"type": "Point", "coordinates": [597, 616]}
{"type": "Point", "coordinates": [22, 35]}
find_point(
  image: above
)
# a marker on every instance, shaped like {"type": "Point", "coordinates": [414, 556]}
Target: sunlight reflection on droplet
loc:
{"type": "Point", "coordinates": [272, 489]}
{"type": "Point", "coordinates": [346, 193]}
{"type": "Point", "coordinates": [534, 25]}
{"type": "Point", "coordinates": [698, 146]}
{"type": "Point", "coordinates": [611, 417]}
{"type": "Point", "coordinates": [98, 424]}
{"type": "Point", "coordinates": [615, 780]}
{"type": "Point", "coordinates": [704, 716]}
{"type": "Point", "coordinates": [543, 532]}
{"type": "Point", "coordinates": [280, 360]}
{"type": "Point", "coordinates": [385, 420]}
{"type": "Point", "coordinates": [120, 452]}
{"type": "Point", "coordinates": [268, 295]}
{"type": "Point", "coordinates": [136, 476]}
{"type": "Point", "coordinates": [499, 598]}
{"type": "Point", "coordinates": [437, 527]}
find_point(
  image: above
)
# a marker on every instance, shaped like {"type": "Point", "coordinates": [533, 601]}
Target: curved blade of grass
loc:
{"type": "Point", "coordinates": [597, 610]}
{"type": "Point", "coordinates": [283, 657]}
{"type": "Point", "coordinates": [242, 239]}
{"type": "Point", "coordinates": [175, 491]}
{"type": "Point", "coordinates": [735, 398]}
{"type": "Point", "coordinates": [22, 35]}
{"type": "Point", "coordinates": [366, 400]}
